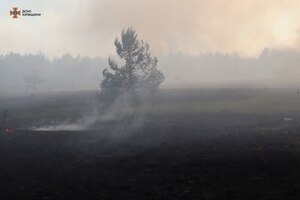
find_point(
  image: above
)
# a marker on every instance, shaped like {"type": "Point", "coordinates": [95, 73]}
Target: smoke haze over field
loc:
{"type": "Point", "coordinates": [193, 27]}
{"type": "Point", "coordinates": [197, 42]}
{"type": "Point", "coordinates": [189, 27]}
{"type": "Point", "coordinates": [271, 69]}
{"type": "Point", "coordinates": [150, 99]}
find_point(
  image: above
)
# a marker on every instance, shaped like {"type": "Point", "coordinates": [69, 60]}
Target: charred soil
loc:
{"type": "Point", "coordinates": [208, 156]}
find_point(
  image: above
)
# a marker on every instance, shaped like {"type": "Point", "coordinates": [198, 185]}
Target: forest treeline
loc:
{"type": "Point", "coordinates": [74, 73]}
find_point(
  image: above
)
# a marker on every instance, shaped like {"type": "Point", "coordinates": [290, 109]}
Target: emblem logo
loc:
{"type": "Point", "coordinates": [15, 12]}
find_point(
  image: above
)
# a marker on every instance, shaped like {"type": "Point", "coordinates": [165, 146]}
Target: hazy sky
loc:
{"type": "Point", "coordinates": [191, 27]}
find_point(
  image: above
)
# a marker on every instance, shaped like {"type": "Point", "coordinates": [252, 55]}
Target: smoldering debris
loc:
{"type": "Point", "coordinates": [82, 123]}
{"type": "Point", "coordinates": [123, 114]}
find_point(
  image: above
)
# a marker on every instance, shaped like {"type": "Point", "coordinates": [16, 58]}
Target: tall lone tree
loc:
{"type": "Point", "coordinates": [139, 72]}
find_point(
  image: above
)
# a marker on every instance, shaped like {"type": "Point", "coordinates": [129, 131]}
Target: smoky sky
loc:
{"type": "Point", "coordinates": [189, 27]}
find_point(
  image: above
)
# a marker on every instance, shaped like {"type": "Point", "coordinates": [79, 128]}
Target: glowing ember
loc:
{"type": "Point", "coordinates": [9, 130]}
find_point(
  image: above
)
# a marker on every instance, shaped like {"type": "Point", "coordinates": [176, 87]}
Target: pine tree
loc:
{"type": "Point", "coordinates": [139, 72]}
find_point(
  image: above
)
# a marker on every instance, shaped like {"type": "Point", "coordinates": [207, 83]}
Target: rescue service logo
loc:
{"type": "Point", "coordinates": [15, 13]}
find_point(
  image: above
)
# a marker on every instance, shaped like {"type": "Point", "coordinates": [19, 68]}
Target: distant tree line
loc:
{"type": "Point", "coordinates": [69, 72]}
{"type": "Point", "coordinates": [37, 71]}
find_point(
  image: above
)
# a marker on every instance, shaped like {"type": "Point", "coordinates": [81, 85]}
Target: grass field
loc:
{"type": "Point", "coordinates": [167, 102]}
{"type": "Point", "coordinates": [182, 144]}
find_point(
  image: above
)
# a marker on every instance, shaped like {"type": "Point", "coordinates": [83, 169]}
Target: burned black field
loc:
{"type": "Point", "coordinates": [186, 144]}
